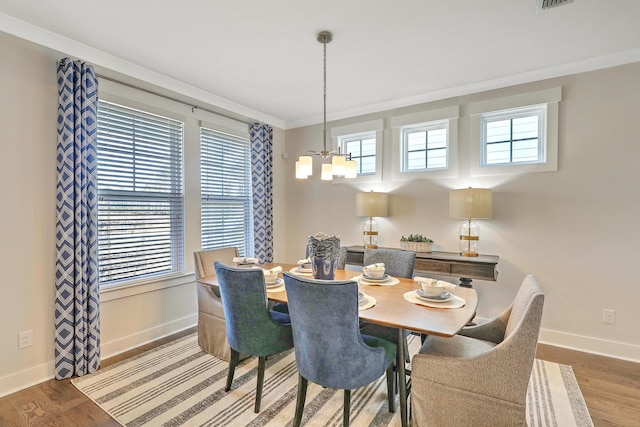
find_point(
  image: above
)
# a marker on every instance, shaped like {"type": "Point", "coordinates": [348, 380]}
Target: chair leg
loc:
{"type": "Point", "coordinates": [261, 365]}
{"type": "Point", "coordinates": [391, 396]}
{"type": "Point", "coordinates": [407, 358]}
{"type": "Point", "coordinates": [302, 394]}
{"type": "Point", "coordinates": [347, 408]}
{"type": "Point", "coordinates": [232, 368]}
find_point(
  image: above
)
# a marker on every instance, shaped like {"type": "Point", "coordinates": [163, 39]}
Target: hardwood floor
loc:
{"type": "Point", "coordinates": [611, 389]}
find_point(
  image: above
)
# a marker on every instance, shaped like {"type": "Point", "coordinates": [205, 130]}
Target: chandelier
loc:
{"type": "Point", "coordinates": [340, 165]}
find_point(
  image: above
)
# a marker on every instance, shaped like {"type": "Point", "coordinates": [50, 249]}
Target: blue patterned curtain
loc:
{"type": "Point", "coordinates": [77, 311]}
{"type": "Point", "coordinates": [261, 136]}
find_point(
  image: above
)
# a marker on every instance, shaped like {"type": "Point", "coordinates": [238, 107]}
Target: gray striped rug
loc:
{"type": "Point", "coordinates": [179, 385]}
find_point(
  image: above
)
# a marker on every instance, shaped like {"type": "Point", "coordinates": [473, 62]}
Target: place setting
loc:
{"type": "Point", "coordinates": [272, 282]}
{"type": "Point", "coordinates": [303, 268]}
{"type": "Point", "coordinates": [365, 301]}
{"type": "Point", "coordinates": [374, 275]}
{"type": "Point", "coordinates": [434, 293]}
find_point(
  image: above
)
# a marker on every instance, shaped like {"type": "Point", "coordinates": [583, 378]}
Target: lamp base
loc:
{"type": "Point", "coordinates": [468, 254]}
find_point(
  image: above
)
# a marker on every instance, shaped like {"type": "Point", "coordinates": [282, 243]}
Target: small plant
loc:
{"type": "Point", "coordinates": [416, 238]}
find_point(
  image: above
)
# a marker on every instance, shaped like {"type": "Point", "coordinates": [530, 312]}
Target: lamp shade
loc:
{"type": "Point", "coordinates": [470, 203]}
{"type": "Point", "coordinates": [372, 204]}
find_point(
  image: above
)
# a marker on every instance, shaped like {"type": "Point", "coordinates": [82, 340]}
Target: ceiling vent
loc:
{"type": "Point", "coordinates": [548, 4]}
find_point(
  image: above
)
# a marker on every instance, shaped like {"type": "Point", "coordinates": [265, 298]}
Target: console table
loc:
{"type": "Point", "coordinates": [481, 267]}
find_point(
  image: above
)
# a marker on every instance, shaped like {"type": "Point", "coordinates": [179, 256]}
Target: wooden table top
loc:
{"type": "Point", "coordinates": [393, 310]}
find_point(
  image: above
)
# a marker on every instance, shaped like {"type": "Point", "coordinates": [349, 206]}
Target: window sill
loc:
{"type": "Point", "coordinates": [114, 292]}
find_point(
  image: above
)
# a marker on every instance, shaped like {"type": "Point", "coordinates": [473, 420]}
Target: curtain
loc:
{"type": "Point", "coordinates": [77, 311]}
{"type": "Point", "coordinates": [261, 137]}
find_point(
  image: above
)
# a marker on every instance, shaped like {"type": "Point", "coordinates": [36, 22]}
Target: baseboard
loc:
{"type": "Point", "coordinates": [26, 378]}
{"type": "Point", "coordinates": [616, 350]}
{"type": "Point", "coordinates": [113, 348]}
{"type": "Point", "coordinates": [46, 371]}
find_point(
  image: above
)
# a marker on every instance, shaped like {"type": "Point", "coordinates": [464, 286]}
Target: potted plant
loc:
{"type": "Point", "coordinates": [416, 242]}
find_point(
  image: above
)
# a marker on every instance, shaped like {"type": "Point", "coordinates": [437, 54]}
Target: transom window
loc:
{"type": "Point", "coordinates": [425, 146]}
{"type": "Point", "coordinates": [514, 136]}
{"type": "Point", "coordinates": [363, 150]}
{"type": "Point", "coordinates": [141, 200]}
{"type": "Point", "coordinates": [226, 196]}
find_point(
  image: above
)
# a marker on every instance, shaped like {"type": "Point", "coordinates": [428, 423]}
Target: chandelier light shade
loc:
{"type": "Point", "coordinates": [371, 204]}
{"type": "Point", "coordinates": [469, 204]}
{"type": "Point", "coordinates": [340, 165]}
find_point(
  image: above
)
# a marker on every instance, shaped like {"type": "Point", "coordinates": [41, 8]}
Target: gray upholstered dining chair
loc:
{"type": "Point", "coordinates": [397, 263]}
{"type": "Point", "coordinates": [480, 376]}
{"type": "Point", "coordinates": [212, 333]}
{"type": "Point", "coordinates": [252, 329]}
{"type": "Point", "coordinates": [330, 350]}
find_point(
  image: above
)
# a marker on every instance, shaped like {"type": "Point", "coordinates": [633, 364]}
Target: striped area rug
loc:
{"type": "Point", "coordinates": [179, 385]}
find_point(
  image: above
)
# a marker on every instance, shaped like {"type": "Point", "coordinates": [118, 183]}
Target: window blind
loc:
{"type": "Point", "coordinates": [226, 212]}
{"type": "Point", "coordinates": [140, 191]}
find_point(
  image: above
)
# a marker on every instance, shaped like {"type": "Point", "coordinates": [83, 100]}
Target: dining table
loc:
{"type": "Point", "coordinates": [393, 307]}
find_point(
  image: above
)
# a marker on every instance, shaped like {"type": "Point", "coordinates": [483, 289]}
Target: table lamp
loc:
{"type": "Point", "coordinates": [469, 204]}
{"type": "Point", "coordinates": [371, 204]}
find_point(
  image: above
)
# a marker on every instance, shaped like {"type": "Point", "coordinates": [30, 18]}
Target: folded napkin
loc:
{"type": "Point", "coordinates": [277, 269]}
{"type": "Point", "coordinates": [304, 261]}
{"type": "Point", "coordinates": [240, 260]}
{"type": "Point", "coordinates": [448, 286]}
{"type": "Point", "coordinates": [376, 265]}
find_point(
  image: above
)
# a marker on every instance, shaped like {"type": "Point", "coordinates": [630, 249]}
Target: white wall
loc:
{"type": "Point", "coordinates": [129, 317]}
{"type": "Point", "coordinates": [575, 229]}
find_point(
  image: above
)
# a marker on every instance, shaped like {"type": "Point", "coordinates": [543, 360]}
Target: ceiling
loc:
{"type": "Point", "coordinates": [260, 59]}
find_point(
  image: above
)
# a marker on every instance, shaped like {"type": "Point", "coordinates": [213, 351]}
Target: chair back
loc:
{"type": "Point", "coordinates": [250, 327]}
{"type": "Point", "coordinates": [526, 308]}
{"type": "Point", "coordinates": [329, 348]}
{"type": "Point", "coordinates": [203, 260]}
{"type": "Point", "coordinates": [397, 262]}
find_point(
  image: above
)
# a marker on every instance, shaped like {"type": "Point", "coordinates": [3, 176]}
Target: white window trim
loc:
{"type": "Point", "coordinates": [424, 117]}
{"type": "Point", "coordinates": [355, 129]}
{"type": "Point", "coordinates": [549, 97]}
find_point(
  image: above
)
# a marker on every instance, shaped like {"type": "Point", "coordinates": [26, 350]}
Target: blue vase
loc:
{"type": "Point", "coordinates": [323, 268]}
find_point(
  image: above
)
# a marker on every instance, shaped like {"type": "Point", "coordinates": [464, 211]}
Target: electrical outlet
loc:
{"type": "Point", "coordinates": [25, 339]}
{"type": "Point", "coordinates": [608, 316]}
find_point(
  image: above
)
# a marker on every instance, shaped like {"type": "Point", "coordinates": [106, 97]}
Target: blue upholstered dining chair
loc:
{"type": "Point", "coordinates": [252, 329]}
{"type": "Point", "coordinates": [330, 350]}
{"type": "Point", "coordinates": [397, 263]}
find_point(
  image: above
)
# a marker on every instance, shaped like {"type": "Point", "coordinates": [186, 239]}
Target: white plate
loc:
{"type": "Point", "coordinates": [371, 279]}
{"type": "Point", "coordinates": [361, 297]}
{"type": "Point", "coordinates": [305, 270]}
{"type": "Point", "coordinates": [278, 282]}
{"type": "Point", "coordinates": [447, 296]}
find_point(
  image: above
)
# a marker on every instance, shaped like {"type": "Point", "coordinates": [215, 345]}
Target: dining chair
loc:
{"type": "Point", "coordinates": [252, 329]}
{"type": "Point", "coordinates": [330, 350]}
{"type": "Point", "coordinates": [397, 263]}
{"type": "Point", "coordinates": [480, 376]}
{"type": "Point", "coordinates": [212, 333]}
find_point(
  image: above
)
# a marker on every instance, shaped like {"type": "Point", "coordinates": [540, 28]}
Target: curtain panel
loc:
{"type": "Point", "coordinates": [77, 320]}
{"type": "Point", "coordinates": [261, 136]}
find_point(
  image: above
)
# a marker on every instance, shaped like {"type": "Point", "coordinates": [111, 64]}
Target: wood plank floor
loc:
{"type": "Point", "coordinates": [610, 387]}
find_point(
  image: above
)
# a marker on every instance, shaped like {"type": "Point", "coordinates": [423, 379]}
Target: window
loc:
{"type": "Point", "coordinates": [140, 206]}
{"type": "Point", "coordinates": [425, 146]}
{"type": "Point", "coordinates": [364, 142]}
{"type": "Point", "coordinates": [362, 149]}
{"type": "Point", "coordinates": [514, 136]}
{"type": "Point", "coordinates": [226, 212]}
